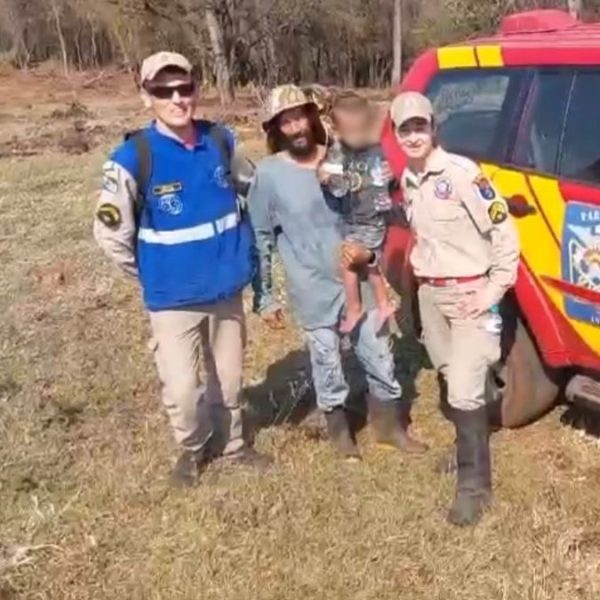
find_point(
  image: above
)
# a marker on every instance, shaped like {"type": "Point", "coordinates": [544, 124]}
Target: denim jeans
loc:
{"type": "Point", "coordinates": [373, 352]}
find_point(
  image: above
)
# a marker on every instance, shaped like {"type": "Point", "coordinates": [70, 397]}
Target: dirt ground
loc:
{"type": "Point", "coordinates": [85, 511]}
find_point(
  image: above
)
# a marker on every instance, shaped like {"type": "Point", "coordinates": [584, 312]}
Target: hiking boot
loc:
{"type": "Point", "coordinates": [474, 478]}
{"type": "Point", "coordinates": [248, 458]}
{"type": "Point", "coordinates": [340, 434]}
{"type": "Point", "coordinates": [188, 468]}
{"type": "Point", "coordinates": [390, 422]}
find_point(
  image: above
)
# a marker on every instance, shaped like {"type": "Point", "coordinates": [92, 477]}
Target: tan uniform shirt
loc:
{"type": "Point", "coordinates": [114, 225]}
{"type": "Point", "coordinates": [461, 223]}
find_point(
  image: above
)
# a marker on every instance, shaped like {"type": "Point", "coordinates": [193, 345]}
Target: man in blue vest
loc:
{"type": "Point", "coordinates": [168, 214]}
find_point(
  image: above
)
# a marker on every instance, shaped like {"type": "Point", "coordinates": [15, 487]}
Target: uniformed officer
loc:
{"type": "Point", "coordinates": [168, 214]}
{"type": "Point", "coordinates": [465, 258]}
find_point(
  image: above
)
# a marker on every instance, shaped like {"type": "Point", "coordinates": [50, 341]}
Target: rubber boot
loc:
{"type": "Point", "coordinates": [340, 434]}
{"type": "Point", "coordinates": [446, 465]}
{"type": "Point", "coordinates": [390, 422]}
{"type": "Point", "coordinates": [474, 479]}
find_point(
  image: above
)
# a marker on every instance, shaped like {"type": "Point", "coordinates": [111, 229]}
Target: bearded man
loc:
{"type": "Point", "coordinates": [292, 212]}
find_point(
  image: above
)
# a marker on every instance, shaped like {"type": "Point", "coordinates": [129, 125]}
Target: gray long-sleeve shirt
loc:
{"type": "Point", "coordinates": [290, 211]}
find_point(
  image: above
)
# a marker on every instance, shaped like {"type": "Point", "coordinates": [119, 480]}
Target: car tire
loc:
{"type": "Point", "coordinates": [521, 388]}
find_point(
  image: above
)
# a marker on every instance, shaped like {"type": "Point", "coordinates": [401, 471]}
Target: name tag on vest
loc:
{"type": "Point", "coordinates": [167, 188]}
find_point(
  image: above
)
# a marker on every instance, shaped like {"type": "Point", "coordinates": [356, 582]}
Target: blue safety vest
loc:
{"type": "Point", "coordinates": [193, 247]}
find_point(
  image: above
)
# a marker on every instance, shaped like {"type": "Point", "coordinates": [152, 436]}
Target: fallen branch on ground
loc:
{"type": "Point", "coordinates": [17, 556]}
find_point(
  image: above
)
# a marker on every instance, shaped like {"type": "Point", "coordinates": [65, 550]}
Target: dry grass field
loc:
{"type": "Point", "coordinates": [85, 511]}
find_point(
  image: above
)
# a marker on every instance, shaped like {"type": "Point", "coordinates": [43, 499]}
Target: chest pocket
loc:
{"type": "Point", "coordinates": [447, 211]}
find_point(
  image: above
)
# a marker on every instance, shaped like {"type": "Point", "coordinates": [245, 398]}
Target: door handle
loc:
{"type": "Point", "coordinates": [519, 207]}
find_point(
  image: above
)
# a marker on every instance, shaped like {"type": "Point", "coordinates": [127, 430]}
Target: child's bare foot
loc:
{"type": "Point", "coordinates": [384, 313]}
{"type": "Point", "coordinates": [351, 320]}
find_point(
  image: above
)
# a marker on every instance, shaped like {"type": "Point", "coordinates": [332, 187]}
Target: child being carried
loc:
{"type": "Point", "coordinates": [355, 171]}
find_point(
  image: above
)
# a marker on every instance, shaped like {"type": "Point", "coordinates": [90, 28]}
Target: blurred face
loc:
{"type": "Point", "coordinates": [353, 125]}
{"type": "Point", "coordinates": [415, 137]}
{"type": "Point", "coordinates": [172, 96]}
{"type": "Point", "coordinates": [296, 130]}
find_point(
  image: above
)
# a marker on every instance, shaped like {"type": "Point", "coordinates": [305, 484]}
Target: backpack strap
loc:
{"type": "Point", "coordinates": [220, 136]}
{"type": "Point", "coordinates": [241, 184]}
{"type": "Point", "coordinates": [144, 170]}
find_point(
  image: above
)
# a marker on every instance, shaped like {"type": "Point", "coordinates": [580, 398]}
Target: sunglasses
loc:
{"type": "Point", "coordinates": [164, 92]}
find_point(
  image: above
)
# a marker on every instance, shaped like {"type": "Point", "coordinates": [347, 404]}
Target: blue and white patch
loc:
{"type": "Point", "coordinates": [442, 188]}
{"type": "Point", "coordinates": [110, 178]}
{"type": "Point", "coordinates": [170, 204]}
{"type": "Point", "coordinates": [581, 258]}
{"type": "Point", "coordinates": [220, 177]}
{"type": "Point", "coordinates": [485, 189]}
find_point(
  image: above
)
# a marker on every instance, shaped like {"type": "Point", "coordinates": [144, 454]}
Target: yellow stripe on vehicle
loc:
{"type": "Point", "coordinates": [455, 57]}
{"type": "Point", "coordinates": [489, 56]}
{"type": "Point", "coordinates": [538, 242]}
{"type": "Point", "coordinates": [548, 194]}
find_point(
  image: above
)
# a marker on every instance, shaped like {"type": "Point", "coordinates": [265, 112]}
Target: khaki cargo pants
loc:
{"type": "Point", "coordinates": [198, 411]}
{"type": "Point", "coordinates": [462, 350]}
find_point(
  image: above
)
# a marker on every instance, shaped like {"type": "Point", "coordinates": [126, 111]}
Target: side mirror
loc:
{"type": "Point", "coordinates": [519, 207]}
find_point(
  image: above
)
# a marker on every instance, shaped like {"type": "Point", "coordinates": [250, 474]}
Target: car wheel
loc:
{"type": "Point", "coordinates": [521, 389]}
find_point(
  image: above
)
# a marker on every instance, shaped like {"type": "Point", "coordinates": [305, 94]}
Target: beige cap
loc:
{"type": "Point", "coordinates": [410, 105]}
{"type": "Point", "coordinates": [159, 61]}
{"type": "Point", "coordinates": [282, 98]}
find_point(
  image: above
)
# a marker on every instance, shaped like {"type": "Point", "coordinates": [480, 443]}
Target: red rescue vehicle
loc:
{"type": "Point", "coordinates": [525, 104]}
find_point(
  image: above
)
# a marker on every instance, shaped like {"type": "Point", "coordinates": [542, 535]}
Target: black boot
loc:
{"type": "Point", "coordinates": [189, 467]}
{"type": "Point", "coordinates": [390, 422]}
{"type": "Point", "coordinates": [446, 464]}
{"type": "Point", "coordinates": [474, 478]}
{"type": "Point", "coordinates": [340, 434]}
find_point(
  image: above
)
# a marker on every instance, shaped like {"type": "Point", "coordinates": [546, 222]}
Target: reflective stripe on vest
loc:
{"type": "Point", "coordinates": [189, 234]}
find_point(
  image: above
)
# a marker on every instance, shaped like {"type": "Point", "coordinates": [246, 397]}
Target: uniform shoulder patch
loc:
{"type": "Point", "coordinates": [110, 178]}
{"type": "Point", "coordinates": [484, 188]}
{"type": "Point", "coordinates": [109, 215]}
{"type": "Point", "coordinates": [498, 212]}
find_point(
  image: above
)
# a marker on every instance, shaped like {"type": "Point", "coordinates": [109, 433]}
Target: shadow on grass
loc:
{"type": "Point", "coordinates": [287, 396]}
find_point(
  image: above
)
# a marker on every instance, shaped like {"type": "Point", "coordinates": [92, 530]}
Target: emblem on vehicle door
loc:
{"type": "Point", "coordinates": [581, 258]}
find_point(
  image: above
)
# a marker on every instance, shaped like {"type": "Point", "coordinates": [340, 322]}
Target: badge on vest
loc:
{"type": "Point", "coordinates": [167, 188]}
{"type": "Point", "coordinates": [220, 177]}
{"type": "Point", "coordinates": [442, 188]}
{"type": "Point", "coordinates": [169, 201]}
{"type": "Point", "coordinates": [170, 204]}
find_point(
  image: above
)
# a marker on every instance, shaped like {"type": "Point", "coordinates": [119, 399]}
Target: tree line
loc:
{"type": "Point", "coordinates": [236, 42]}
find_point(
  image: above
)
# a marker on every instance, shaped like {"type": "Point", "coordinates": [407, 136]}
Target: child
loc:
{"type": "Point", "coordinates": [355, 171]}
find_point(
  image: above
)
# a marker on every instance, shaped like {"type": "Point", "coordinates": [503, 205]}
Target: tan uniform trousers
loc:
{"type": "Point", "coordinates": [462, 350]}
{"type": "Point", "coordinates": [198, 411]}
